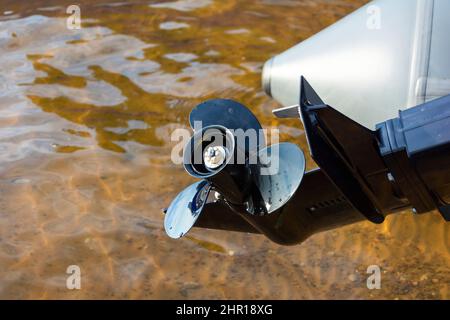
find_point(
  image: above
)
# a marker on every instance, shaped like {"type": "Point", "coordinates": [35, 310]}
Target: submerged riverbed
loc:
{"type": "Point", "coordinates": [85, 170]}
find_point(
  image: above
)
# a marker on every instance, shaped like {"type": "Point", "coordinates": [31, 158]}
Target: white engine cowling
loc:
{"type": "Point", "coordinates": [387, 56]}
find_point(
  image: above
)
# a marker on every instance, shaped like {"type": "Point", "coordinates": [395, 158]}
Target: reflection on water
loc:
{"type": "Point", "coordinates": [85, 123]}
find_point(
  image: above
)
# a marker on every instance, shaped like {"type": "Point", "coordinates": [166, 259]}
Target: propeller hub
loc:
{"type": "Point", "coordinates": [214, 157]}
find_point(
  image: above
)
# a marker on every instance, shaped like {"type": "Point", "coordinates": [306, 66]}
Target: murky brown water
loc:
{"type": "Point", "coordinates": [85, 121]}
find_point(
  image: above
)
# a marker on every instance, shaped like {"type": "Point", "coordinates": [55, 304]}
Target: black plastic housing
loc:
{"type": "Point", "coordinates": [416, 147]}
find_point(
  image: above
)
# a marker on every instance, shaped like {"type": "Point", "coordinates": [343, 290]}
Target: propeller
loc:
{"type": "Point", "coordinates": [219, 156]}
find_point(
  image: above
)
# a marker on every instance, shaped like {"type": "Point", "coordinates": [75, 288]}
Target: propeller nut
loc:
{"type": "Point", "coordinates": [214, 157]}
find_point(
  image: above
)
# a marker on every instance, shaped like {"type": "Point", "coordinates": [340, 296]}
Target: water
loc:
{"type": "Point", "coordinates": [85, 123]}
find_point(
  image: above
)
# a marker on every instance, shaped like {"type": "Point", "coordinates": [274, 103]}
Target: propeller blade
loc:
{"type": "Point", "coordinates": [185, 209]}
{"type": "Point", "coordinates": [278, 174]}
{"type": "Point", "coordinates": [227, 113]}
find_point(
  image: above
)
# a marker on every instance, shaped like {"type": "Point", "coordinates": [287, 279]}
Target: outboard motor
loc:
{"type": "Point", "coordinates": [372, 161]}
